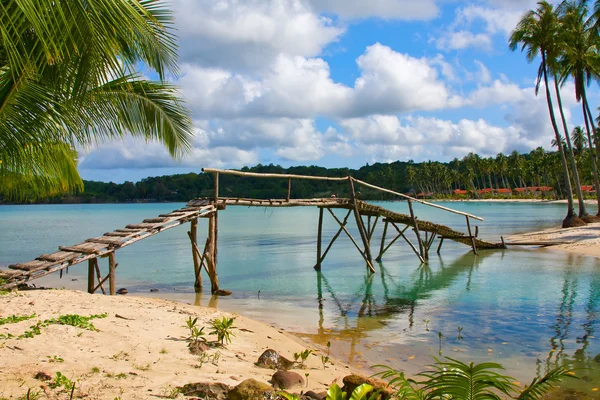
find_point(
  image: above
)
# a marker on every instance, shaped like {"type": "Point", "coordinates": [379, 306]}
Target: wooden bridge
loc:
{"type": "Point", "coordinates": [366, 217]}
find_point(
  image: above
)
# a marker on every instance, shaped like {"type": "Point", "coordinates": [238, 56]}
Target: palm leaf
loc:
{"type": "Point", "coordinates": [541, 386]}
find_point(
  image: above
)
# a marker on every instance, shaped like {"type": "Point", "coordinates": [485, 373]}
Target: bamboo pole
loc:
{"type": "Point", "coordinates": [112, 274]}
{"type": "Point", "coordinates": [97, 267]}
{"type": "Point", "coordinates": [473, 243]}
{"type": "Point", "coordinates": [210, 255]}
{"type": "Point", "coordinates": [369, 264]}
{"type": "Point", "coordinates": [416, 200]}
{"type": "Point", "coordinates": [259, 175]}
{"type": "Point", "coordinates": [216, 227]}
{"type": "Point", "coordinates": [289, 192]}
{"type": "Point", "coordinates": [383, 251]}
{"type": "Point", "coordinates": [381, 247]}
{"type": "Point", "coordinates": [319, 238]}
{"type": "Point", "coordinates": [91, 276]}
{"type": "Point", "coordinates": [339, 232]}
{"type": "Point", "coordinates": [193, 235]}
{"type": "Point", "coordinates": [412, 215]}
{"type": "Point", "coordinates": [361, 227]}
{"type": "Point", "coordinates": [412, 246]}
{"type": "Point", "coordinates": [440, 245]}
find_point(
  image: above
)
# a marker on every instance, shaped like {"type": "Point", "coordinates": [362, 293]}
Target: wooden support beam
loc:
{"type": "Point", "coordinates": [361, 227]}
{"type": "Point", "coordinates": [289, 191]}
{"type": "Point", "coordinates": [423, 254]}
{"type": "Point", "coordinates": [431, 239]}
{"type": "Point", "coordinates": [373, 228]}
{"type": "Point", "coordinates": [440, 245]}
{"type": "Point", "coordinates": [503, 242]}
{"type": "Point", "coordinates": [381, 247]}
{"type": "Point", "coordinates": [319, 238]}
{"type": "Point", "coordinates": [91, 276]}
{"type": "Point", "coordinates": [215, 251]}
{"type": "Point", "coordinates": [412, 246]}
{"type": "Point", "coordinates": [210, 255]}
{"type": "Point", "coordinates": [338, 233]}
{"type": "Point", "coordinates": [99, 276]}
{"type": "Point", "coordinates": [383, 251]}
{"type": "Point", "coordinates": [193, 235]}
{"type": "Point", "coordinates": [473, 243]}
{"type": "Point", "coordinates": [369, 264]}
{"type": "Point", "coordinates": [112, 274]}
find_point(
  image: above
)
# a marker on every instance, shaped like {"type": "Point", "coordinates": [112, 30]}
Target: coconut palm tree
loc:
{"type": "Point", "coordinates": [578, 138]}
{"type": "Point", "coordinates": [536, 32]}
{"type": "Point", "coordinates": [68, 79]}
{"type": "Point", "coordinates": [580, 60]}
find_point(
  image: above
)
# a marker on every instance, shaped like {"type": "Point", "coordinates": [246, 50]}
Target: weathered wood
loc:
{"type": "Point", "coordinates": [474, 245]}
{"type": "Point", "coordinates": [503, 242]}
{"type": "Point", "coordinates": [440, 245]}
{"type": "Point", "coordinates": [361, 227]}
{"type": "Point", "coordinates": [416, 200]}
{"type": "Point", "coordinates": [412, 246]}
{"type": "Point", "coordinates": [97, 267]}
{"type": "Point", "coordinates": [289, 190]}
{"type": "Point", "coordinates": [31, 265]}
{"type": "Point", "coordinates": [424, 255]}
{"type": "Point", "coordinates": [155, 220]}
{"type": "Point", "coordinates": [319, 238]}
{"type": "Point", "coordinates": [144, 226]}
{"type": "Point", "coordinates": [476, 231]}
{"type": "Point", "coordinates": [351, 239]}
{"type": "Point", "coordinates": [193, 235]}
{"type": "Point", "coordinates": [59, 256]}
{"type": "Point", "coordinates": [259, 175]}
{"type": "Point", "coordinates": [112, 274]}
{"type": "Point", "coordinates": [120, 234]}
{"type": "Point", "coordinates": [338, 233]}
{"type": "Point", "coordinates": [382, 246]}
{"type": "Point", "coordinates": [91, 276]}
{"type": "Point", "coordinates": [210, 256]}
{"type": "Point", "coordinates": [129, 230]}
{"type": "Point", "coordinates": [84, 248]}
{"type": "Point", "coordinates": [373, 228]}
{"type": "Point", "coordinates": [540, 243]}
{"type": "Point", "coordinates": [106, 240]}
{"type": "Point", "coordinates": [216, 227]}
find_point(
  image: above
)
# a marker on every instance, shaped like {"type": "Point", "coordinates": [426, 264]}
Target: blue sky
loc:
{"type": "Point", "coordinates": [343, 83]}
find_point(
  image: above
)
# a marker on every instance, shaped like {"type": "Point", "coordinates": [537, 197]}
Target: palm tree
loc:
{"type": "Point", "coordinates": [580, 60]}
{"type": "Point", "coordinates": [68, 78]}
{"type": "Point", "coordinates": [578, 138]}
{"type": "Point", "coordinates": [536, 32]}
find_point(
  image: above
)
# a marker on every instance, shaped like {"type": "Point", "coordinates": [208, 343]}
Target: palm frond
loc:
{"type": "Point", "coordinates": [540, 386]}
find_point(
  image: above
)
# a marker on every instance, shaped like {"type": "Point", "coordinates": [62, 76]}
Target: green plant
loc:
{"type": "Point", "coordinates": [69, 319]}
{"type": "Point", "coordinates": [55, 359]}
{"type": "Point", "coordinates": [198, 334]}
{"type": "Point", "coordinates": [453, 379]}
{"type": "Point", "coordinates": [142, 367]}
{"type": "Point", "coordinates": [163, 351]}
{"type": "Point", "coordinates": [122, 375]}
{"type": "Point", "coordinates": [222, 328]}
{"type": "Point", "coordinates": [440, 337]}
{"type": "Point", "coordinates": [426, 324]}
{"type": "Point", "coordinates": [95, 370]}
{"type": "Point", "coordinates": [459, 333]}
{"type": "Point", "coordinates": [61, 380]}
{"type": "Point", "coordinates": [325, 359]}
{"type": "Point", "coordinates": [303, 355]}
{"type": "Point", "coordinates": [190, 324]}
{"type": "Point", "coordinates": [170, 392]}
{"type": "Point", "coordinates": [212, 358]}
{"type": "Point", "coordinates": [120, 356]}
{"type": "Point", "coordinates": [360, 393]}
{"type": "Point", "coordinates": [13, 319]}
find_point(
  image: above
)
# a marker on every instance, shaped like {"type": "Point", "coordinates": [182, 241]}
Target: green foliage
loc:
{"type": "Point", "coordinates": [208, 358]}
{"type": "Point", "coordinates": [223, 329]}
{"type": "Point", "coordinates": [360, 393]}
{"type": "Point", "coordinates": [302, 356]}
{"type": "Point", "coordinates": [61, 380]}
{"type": "Point", "coordinates": [13, 319]}
{"type": "Point", "coordinates": [55, 359]}
{"type": "Point", "coordinates": [75, 320]}
{"type": "Point", "coordinates": [540, 386]}
{"type": "Point", "coordinates": [190, 323]}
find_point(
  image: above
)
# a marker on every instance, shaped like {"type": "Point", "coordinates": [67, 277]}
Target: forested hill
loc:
{"type": "Point", "coordinates": [472, 173]}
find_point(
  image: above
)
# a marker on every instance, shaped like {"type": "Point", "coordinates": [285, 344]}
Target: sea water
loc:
{"type": "Point", "coordinates": [529, 310]}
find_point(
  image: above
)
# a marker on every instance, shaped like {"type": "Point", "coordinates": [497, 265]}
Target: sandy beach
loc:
{"type": "Point", "coordinates": [140, 350]}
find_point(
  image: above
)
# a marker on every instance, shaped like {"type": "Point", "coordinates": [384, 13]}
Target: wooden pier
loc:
{"type": "Point", "coordinates": [364, 215]}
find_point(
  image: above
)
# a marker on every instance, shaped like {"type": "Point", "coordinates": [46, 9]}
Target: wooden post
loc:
{"type": "Point", "coordinates": [339, 232]}
{"type": "Point", "coordinates": [289, 192]}
{"type": "Point", "coordinates": [193, 234]}
{"type": "Point", "coordinates": [91, 276]}
{"type": "Point", "coordinates": [101, 284]}
{"type": "Point", "coordinates": [216, 222]}
{"type": "Point", "coordinates": [503, 242]}
{"type": "Point", "coordinates": [369, 262]}
{"type": "Point", "coordinates": [319, 238]}
{"type": "Point", "coordinates": [476, 230]}
{"type": "Point", "coordinates": [473, 243]}
{"type": "Point", "coordinates": [385, 227]}
{"type": "Point", "coordinates": [211, 259]}
{"type": "Point", "coordinates": [412, 246]}
{"type": "Point", "coordinates": [112, 274]}
{"type": "Point", "coordinates": [424, 256]}
{"type": "Point", "coordinates": [440, 246]}
{"type": "Point", "coordinates": [361, 226]}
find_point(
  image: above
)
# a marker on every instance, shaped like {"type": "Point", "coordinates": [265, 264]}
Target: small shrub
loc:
{"type": "Point", "coordinates": [303, 356]}
{"type": "Point", "coordinates": [223, 329]}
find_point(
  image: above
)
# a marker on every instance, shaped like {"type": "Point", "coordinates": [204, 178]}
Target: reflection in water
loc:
{"type": "Point", "coordinates": [381, 315]}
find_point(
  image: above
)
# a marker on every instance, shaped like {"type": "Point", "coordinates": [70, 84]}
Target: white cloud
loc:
{"type": "Point", "coordinates": [248, 35]}
{"type": "Point", "coordinates": [461, 40]}
{"type": "Point", "coordinates": [483, 74]}
{"type": "Point", "coordinates": [386, 9]}
{"type": "Point", "coordinates": [298, 87]}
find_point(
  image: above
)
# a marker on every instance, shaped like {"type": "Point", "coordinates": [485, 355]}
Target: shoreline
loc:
{"type": "Point", "coordinates": [140, 344]}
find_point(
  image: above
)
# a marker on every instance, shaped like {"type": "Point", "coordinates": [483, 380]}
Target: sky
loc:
{"type": "Point", "coordinates": [343, 83]}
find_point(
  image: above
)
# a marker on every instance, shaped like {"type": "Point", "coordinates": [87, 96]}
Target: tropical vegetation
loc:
{"type": "Point", "coordinates": [565, 38]}
{"type": "Point", "coordinates": [69, 78]}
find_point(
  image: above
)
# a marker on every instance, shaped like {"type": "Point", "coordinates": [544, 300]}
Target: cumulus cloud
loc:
{"type": "Point", "coordinates": [247, 35]}
{"type": "Point", "coordinates": [386, 9]}
{"type": "Point", "coordinates": [461, 40]}
{"type": "Point", "coordinates": [298, 87]}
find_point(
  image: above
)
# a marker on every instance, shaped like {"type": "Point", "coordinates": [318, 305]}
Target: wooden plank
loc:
{"type": "Point", "coordinates": [120, 234]}
{"type": "Point", "coordinates": [59, 256]}
{"type": "Point", "coordinates": [31, 265]}
{"type": "Point", "coordinates": [10, 274]}
{"type": "Point", "coordinates": [155, 220]}
{"type": "Point", "coordinates": [143, 226]}
{"type": "Point", "coordinates": [105, 240]}
{"type": "Point", "coordinates": [129, 230]}
{"type": "Point", "coordinates": [84, 248]}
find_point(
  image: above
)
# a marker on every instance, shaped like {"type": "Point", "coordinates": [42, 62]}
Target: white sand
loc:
{"type": "Point", "coordinates": [149, 349]}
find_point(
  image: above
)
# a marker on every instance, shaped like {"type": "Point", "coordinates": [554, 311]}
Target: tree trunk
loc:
{"type": "Point", "coordinates": [570, 219]}
{"type": "Point", "coordinates": [576, 180]}
{"type": "Point", "coordinates": [588, 117]}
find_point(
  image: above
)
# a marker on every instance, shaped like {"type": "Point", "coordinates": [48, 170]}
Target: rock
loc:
{"type": "Point", "coordinates": [353, 381]}
{"type": "Point", "coordinates": [286, 380]}
{"type": "Point", "coordinates": [208, 391]}
{"type": "Point", "coordinates": [272, 360]}
{"type": "Point", "coordinates": [251, 389]}
{"type": "Point", "coordinates": [122, 291]}
{"type": "Point", "coordinates": [316, 396]}
{"type": "Point", "coordinates": [42, 376]}
{"type": "Point", "coordinates": [153, 290]}
{"type": "Point", "coordinates": [197, 347]}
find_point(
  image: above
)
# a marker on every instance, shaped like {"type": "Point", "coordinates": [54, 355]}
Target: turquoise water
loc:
{"type": "Point", "coordinates": [525, 309]}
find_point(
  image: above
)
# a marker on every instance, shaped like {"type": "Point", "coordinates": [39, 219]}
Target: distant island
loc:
{"type": "Point", "coordinates": [536, 174]}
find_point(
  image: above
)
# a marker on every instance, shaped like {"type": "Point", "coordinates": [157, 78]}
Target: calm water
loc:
{"type": "Point", "coordinates": [525, 309]}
